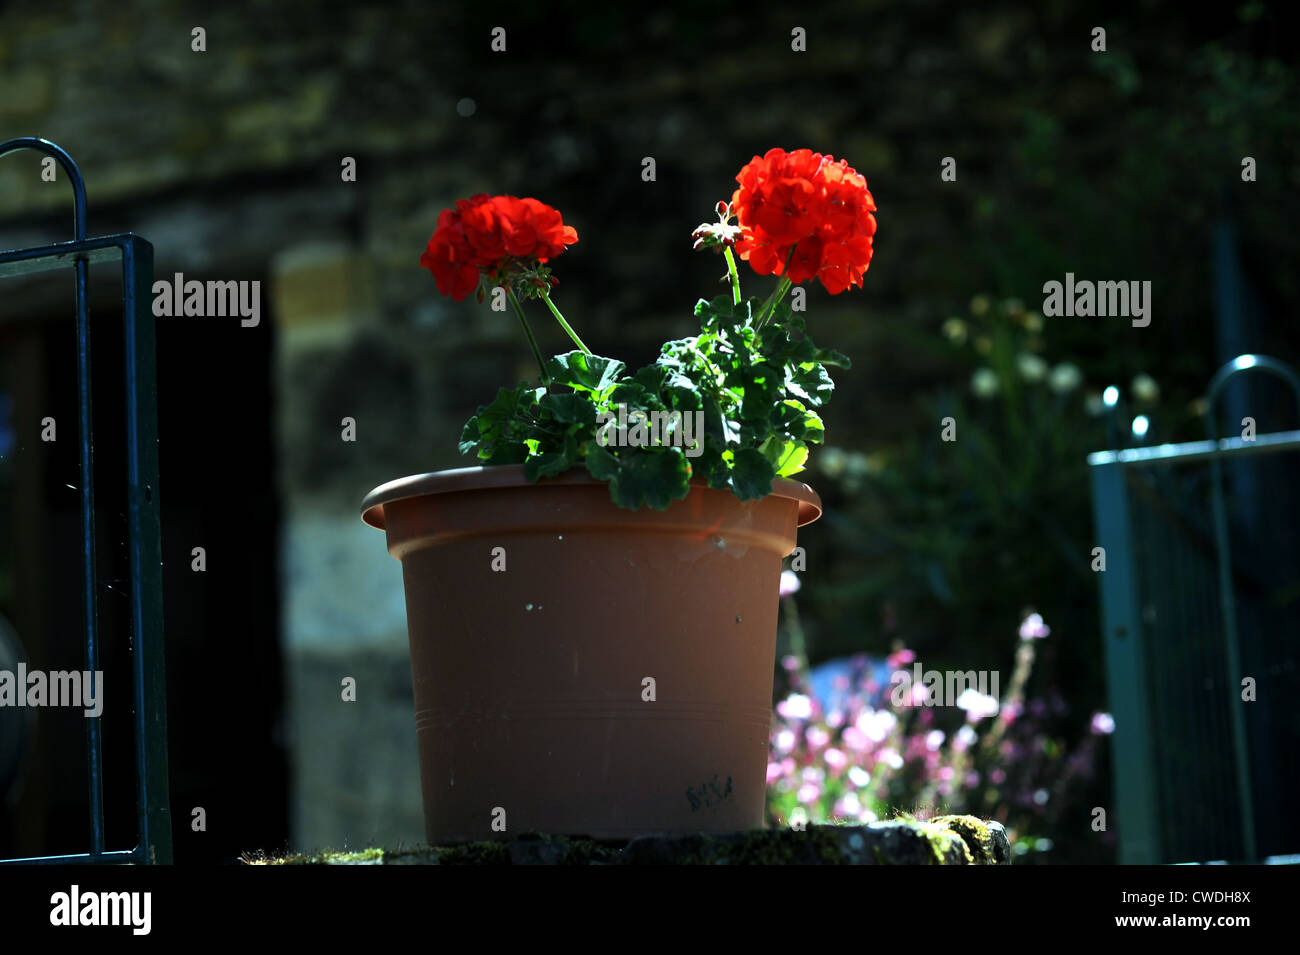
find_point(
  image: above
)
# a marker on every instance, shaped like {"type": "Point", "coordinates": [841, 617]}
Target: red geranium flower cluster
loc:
{"type": "Point", "coordinates": [812, 204]}
{"type": "Point", "coordinates": [492, 235]}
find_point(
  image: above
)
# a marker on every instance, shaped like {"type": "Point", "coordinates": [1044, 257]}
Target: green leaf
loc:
{"type": "Point", "coordinates": [469, 437]}
{"type": "Point", "coordinates": [751, 474]}
{"type": "Point", "coordinates": [810, 382]}
{"type": "Point", "coordinates": [836, 359]}
{"type": "Point", "coordinates": [787, 457]}
{"type": "Point", "coordinates": [586, 372]}
{"type": "Point", "coordinates": [551, 463]}
{"type": "Point", "coordinates": [570, 409]}
{"type": "Point", "coordinates": [641, 476]}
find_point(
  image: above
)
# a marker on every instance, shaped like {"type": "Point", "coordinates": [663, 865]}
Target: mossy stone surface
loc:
{"type": "Point", "coordinates": [946, 840]}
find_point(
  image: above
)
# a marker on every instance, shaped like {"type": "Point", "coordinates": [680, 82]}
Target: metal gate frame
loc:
{"type": "Point", "coordinates": [154, 835]}
{"type": "Point", "coordinates": [1136, 797]}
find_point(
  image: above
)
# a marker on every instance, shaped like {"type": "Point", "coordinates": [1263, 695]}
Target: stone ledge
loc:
{"type": "Point", "coordinates": [946, 840]}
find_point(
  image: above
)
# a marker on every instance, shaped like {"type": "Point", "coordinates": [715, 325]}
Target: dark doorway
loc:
{"type": "Point", "coordinates": [221, 624]}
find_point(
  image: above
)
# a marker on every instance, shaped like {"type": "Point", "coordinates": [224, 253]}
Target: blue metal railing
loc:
{"type": "Point", "coordinates": [1171, 752]}
{"type": "Point", "coordinates": [154, 843]}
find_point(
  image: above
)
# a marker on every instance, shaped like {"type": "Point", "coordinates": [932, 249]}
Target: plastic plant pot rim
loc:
{"type": "Point", "coordinates": [512, 475]}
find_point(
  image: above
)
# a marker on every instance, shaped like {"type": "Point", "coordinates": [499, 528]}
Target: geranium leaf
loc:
{"type": "Point", "coordinates": [751, 474]}
{"type": "Point", "coordinates": [582, 371]}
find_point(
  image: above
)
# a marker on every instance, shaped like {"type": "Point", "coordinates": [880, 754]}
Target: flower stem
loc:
{"type": "Point", "coordinates": [532, 342]}
{"type": "Point", "coordinates": [798, 645]}
{"type": "Point", "coordinates": [563, 324]}
{"type": "Point", "coordinates": [773, 301]}
{"type": "Point", "coordinates": [778, 293]}
{"type": "Point", "coordinates": [735, 277]}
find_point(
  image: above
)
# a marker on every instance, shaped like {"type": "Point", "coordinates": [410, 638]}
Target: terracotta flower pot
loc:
{"type": "Point", "coordinates": [533, 663]}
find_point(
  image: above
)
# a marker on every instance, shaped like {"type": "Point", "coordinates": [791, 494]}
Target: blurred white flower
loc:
{"type": "Point", "coordinates": [984, 383]}
{"type": "Point", "coordinates": [789, 583]}
{"type": "Point", "coordinates": [796, 706]}
{"type": "Point", "coordinates": [832, 461]}
{"type": "Point", "coordinates": [1031, 367]}
{"type": "Point", "coordinates": [1064, 378]}
{"type": "Point", "coordinates": [1145, 389]}
{"type": "Point", "coordinates": [965, 736]}
{"type": "Point", "coordinates": [976, 704]}
{"type": "Point", "coordinates": [876, 724]}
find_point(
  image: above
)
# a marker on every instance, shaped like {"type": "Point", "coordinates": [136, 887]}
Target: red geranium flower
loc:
{"type": "Point", "coordinates": [809, 203]}
{"type": "Point", "coordinates": [492, 235]}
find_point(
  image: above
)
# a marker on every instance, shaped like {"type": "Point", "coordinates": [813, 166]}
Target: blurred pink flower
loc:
{"type": "Point", "coordinates": [976, 704]}
{"type": "Point", "coordinates": [817, 737]}
{"type": "Point", "coordinates": [889, 756]}
{"type": "Point", "coordinates": [773, 772]}
{"type": "Point", "coordinates": [796, 706]}
{"type": "Point", "coordinates": [934, 739]}
{"type": "Point", "coordinates": [809, 793]}
{"type": "Point", "coordinates": [858, 776]}
{"type": "Point", "coordinates": [899, 658]}
{"type": "Point", "coordinates": [790, 663]}
{"type": "Point", "coordinates": [855, 739]}
{"type": "Point", "coordinates": [789, 583]}
{"type": "Point", "coordinates": [1103, 724]}
{"type": "Point", "coordinates": [785, 741]}
{"type": "Point", "coordinates": [835, 758]}
{"type": "Point", "coordinates": [1033, 628]}
{"type": "Point", "coordinates": [965, 736]}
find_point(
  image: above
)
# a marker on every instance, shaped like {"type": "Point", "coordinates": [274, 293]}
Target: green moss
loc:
{"type": "Point", "coordinates": [903, 840]}
{"type": "Point", "coordinates": [317, 857]}
{"type": "Point", "coordinates": [782, 847]}
{"type": "Point", "coordinates": [940, 838]}
{"type": "Point", "coordinates": [474, 853]}
{"type": "Point", "coordinates": [976, 835]}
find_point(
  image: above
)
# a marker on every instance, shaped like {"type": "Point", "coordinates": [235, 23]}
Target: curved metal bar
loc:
{"type": "Point", "coordinates": [94, 745]}
{"type": "Point", "coordinates": [1228, 595]}
{"type": "Point", "coordinates": [1235, 367]}
{"type": "Point", "coordinates": [69, 166]}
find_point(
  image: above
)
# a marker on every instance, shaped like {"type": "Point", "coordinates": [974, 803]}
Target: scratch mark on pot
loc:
{"type": "Point", "coordinates": [709, 793]}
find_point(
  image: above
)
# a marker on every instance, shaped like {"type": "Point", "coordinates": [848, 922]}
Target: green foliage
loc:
{"type": "Point", "coordinates": [754, 387]}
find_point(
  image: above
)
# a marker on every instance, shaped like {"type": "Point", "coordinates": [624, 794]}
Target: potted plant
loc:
{"type": "Point", "coordinates": [592, 610]}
